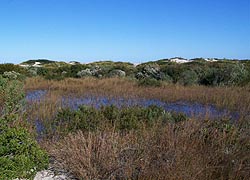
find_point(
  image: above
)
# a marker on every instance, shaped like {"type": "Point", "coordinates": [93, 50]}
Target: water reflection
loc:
{"type": "Point", "coordinates": [190, 109]}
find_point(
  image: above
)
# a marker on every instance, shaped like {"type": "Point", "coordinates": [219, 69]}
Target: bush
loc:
{"type": "Point", "coordinates": [84, 73]}
{"type": "Point", "coordinates": [189, 150]}
{"type": "Point", "coordinates": [227, 74]}
{"type": "Point", "coordinates": [177, 117]}
{"type": "Point", "coordinates": [53, 75]}
{"type": "Point", "coordinates": [20, 155]}
{"type": "Point", "coordinates": [87, 118]}
{"type": "Point", "coordinates": [117, 73]}
{"type": "Point", "coordinates": [149, 82]}
{"type": "Point", "coordinates": [12, 96]}
{"type": "Point", "coordinates": [12, 67]}
{"type": "Point", "coordinates": [41, 71]}
{"type": "Point", "coordinates": [238, 74]}
{"type": "Point", "coordinates": [188, 77]}
{"type": "Point", "coordinates": [149, 71]}
{"type": "Point", "coordinates": [212, 77]}
{"type": "Point", "coordinates": [174, 71]}
{"type": "Point", "coordinates": [12, 75]}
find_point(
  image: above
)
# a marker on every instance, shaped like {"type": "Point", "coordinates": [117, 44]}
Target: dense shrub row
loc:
{"type": "Point", "coordinates": [88, 118]}
{"type": "Point", "coordinates": [200, 72]}
{"type": "Point", "coordinates": [195, 72]}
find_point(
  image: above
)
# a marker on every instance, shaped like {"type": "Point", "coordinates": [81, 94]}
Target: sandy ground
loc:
{"type": "Point", "coordinates": [49, 175]}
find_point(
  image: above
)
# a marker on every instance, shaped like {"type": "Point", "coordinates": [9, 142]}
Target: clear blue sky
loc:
{"type": "Point", "coordinates": [123, 30]}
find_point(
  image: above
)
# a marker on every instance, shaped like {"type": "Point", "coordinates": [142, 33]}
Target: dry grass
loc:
{"type": "Point", "coordinates": [182, 151]}
{"type": "Point", "coordinates": [187, 150]}
{"type": "Point", "coordinates": [234, 98]}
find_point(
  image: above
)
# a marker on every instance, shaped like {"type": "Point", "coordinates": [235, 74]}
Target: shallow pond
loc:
{"type": "Point", "coordinates": [35, 95]}
{"type": "Point", "coordinates": [190, 109]}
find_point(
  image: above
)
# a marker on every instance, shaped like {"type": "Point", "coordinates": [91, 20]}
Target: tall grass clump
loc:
{"type": "Point", "coordinates": [231, 98]}
{"type": "Point", "coordinates": [186, 150]}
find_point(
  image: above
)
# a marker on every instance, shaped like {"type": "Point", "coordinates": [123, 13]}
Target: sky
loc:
{"type": "Point", "coordinates": [123, 30]}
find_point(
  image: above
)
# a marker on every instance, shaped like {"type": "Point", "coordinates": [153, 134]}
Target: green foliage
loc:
{"type": "Point", "coordinates": [41, 71]}
{"type": "Point", "coordinates": [188, 77]}
{"type": "Point", "coordinates": [149, 71]}
{"type": "Point", "coordinates": [74, 69]}
{"type": "Point", "coordinates": [52, 74]}
{"type": "Point", "coordinates": [42, 61]}
{"type": "Point", "coordinates": [20, 155]}
{"type": "Point", "coordinates": [85, 118]}
{"type": "Point", "coordinates": [12, 67]}
{"type": "Point", "coordinates": [238, 74]}
{"type": "Point", "coordinates": [85, 73]}
{"type": "Point", "coordinates": [198, 71]}
{"type": "Point", "coordinates": [88, 118]}
{"type": "Point", "coordinates": [117, 73]}
{"type": "Point", "coordinates": [33, 71]}
{"type": "Point", "coordinates": [12, 96]}
{"type": "Point", "coordinates": [177, 117]}
{"type": "Point", "coordinates": [149, 82]}
{"type": "Point", "coordinates": [229, 74]}
{"type": "Point", "coordinates": [174, 71]}
{"type": "Point", "coordinates": [12, 75]}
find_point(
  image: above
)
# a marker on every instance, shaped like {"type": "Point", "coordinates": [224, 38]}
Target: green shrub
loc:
{"type": "Point", "coordinates": [20, 155]}
{"type": "Point", "coordinates": [8, 67]}
{"type": "Point", "coordinates": [41, 71]}
{"type": "Point", "coordinates": [13, 96]}
{"type": "Point", "coordinates": [111, 113]}
{"type": "Point", "coordinates": [149, 82]}
{"type": "Point", "coordinates": [53, 75]}
{"type": "Point", "coordinates": [225, 74]}
{"type": "Point", "coordinates": [88, 118]}
{"type": "Point", "coordinates": [178, 117]}
{"type": "Point", "coordinates": [117, 73]}
{"type": "Point", "coordinates": [188, 77]}
{"type": "Point", "coordinates": [174, 71]}
{"type": "Point", "coordinates": [85, 118]}
{"type": "Point", "coordinates": [151, 114]}
{"type": "Point", "coordinates": [12, 75]}
{"type": "Point", "coordinates": [151, 70]}
{"type": "Point", "coordinates": [238, 74]}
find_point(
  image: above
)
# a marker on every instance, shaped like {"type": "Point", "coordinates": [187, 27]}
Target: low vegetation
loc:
{"type": "Point", "coordinates": [184, 150]}
{"type": "Point", "coordinates": [125, 142]}
{"type": "Point", "coordinates": [196, 72]}
{"type": "Point", "coordinates": [20, 154]}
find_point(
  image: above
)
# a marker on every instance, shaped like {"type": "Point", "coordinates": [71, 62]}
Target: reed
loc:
{"type": "Point", "coordinates": [187, 150]}
{"type": "Point", "coordinates": [232, 98]}
{"type": "Point", "coordinates": [190, 149]}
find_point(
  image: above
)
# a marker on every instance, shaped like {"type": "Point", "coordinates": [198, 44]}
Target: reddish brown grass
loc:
{"type": "Point", "coordinates": [186, 150]}
{"type": "Point", "coordinates": [234, 98]}
{"type": "Point", "coordinates": [182, 151]}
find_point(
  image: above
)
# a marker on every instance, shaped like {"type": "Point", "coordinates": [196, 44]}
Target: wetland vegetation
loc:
{"type": "Point", "coordinates": [114, 120]}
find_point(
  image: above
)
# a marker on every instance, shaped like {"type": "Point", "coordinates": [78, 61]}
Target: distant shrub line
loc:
{"type": "Point", "coordinates": [198, 72]}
